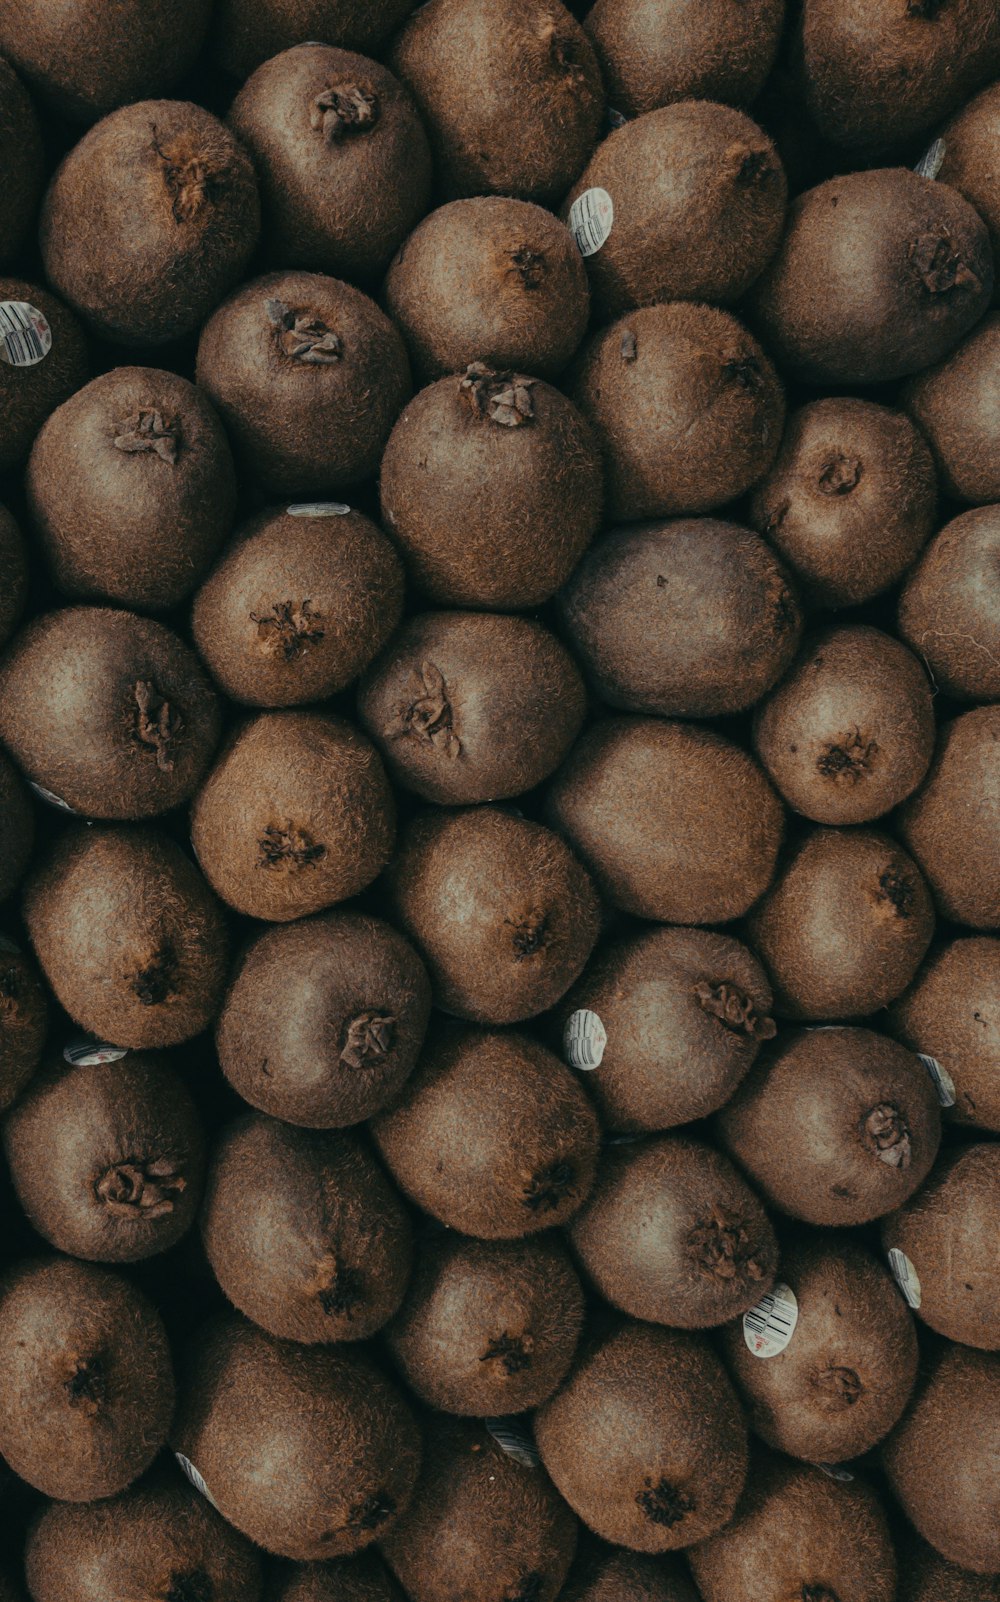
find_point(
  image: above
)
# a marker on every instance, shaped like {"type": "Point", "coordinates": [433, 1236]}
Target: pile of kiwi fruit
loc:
{"type": "Point", "coordinates": [499, 801]}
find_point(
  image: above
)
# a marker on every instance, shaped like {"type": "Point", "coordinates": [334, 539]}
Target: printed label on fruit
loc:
{"type": "Point", "coordinates": [834, 1471]}
{"type": "Point", "coordinates": [905, 1275]}
{"type": "Point", "coordinates": [8, 945]}
{"type": "Point", "coordinates": [590, 220]}
{"type": "Point", "coordinates": [319, 509]}
{"type": "Point", "coordinates": [943, 1082]}
{"type": "Point", "coordinates": [53, 800]}
{"type": "Point", "coordinates": [932, 160]}
{"type": "Point", "coordinates": [584, 1040]}
{"type": "Point", "coordinates": [84, 1053]}
{"type": "Point", "coordinates": [25, 336]}
{"type": "Point", "coordinates": [188, 1468]}
{"type": "Point", "coordinates": [514, 1440]}
{"type": "Point", "coordinates": [768, 1327]}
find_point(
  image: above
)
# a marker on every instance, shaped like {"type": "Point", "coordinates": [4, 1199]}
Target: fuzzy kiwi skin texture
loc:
{"type": "Point", "coordinates": [296, 814]}
{"type": "Point", "coordinates": [109, 711]}
{"type": "Point", "coordinates": [18, 827]}
{"type": "Point", "coordinates": [687, 407]}
{"type": "Point", "coordinates": [906, 269]}
{"type": "Point", "coordinates": [128, 936]}
{"type": "Point", "coordinates": [88, 1389]}
{"type": "Point", "coordinates": [674, 822]}
{"type": "Point", "coordinates": [948, 610]}
{"type": "Point", "coordinates": [850, 500]}
{"type": "Point", "coordinates": [928, 1577]}
{"type": "Point", "coordinates": [952, 824]}
{"type": "Point", "coordinates": [22, 161]}
{"type": "Point", "coordinates": [354, 1579]}
{"type": "Point", "coordinates": [955, 405]}
{"type": "Point", "coordinates": [492, 1135]}
{"type": "Point", "coordinates": [346, 1443]}
{"type": "Point", "coordinates": [13, 575]}
{"type": "Point", "coordinates": [655, 52]}
{"type": "Point", "coordinates": [304, 1233]}
{"type": "Point", "coordinates": [29, 394]}
{"type": "Point", "coordinates": [834, 1126]}
{"type": "Point", "coordinates": [309, 377]}
{"type": "Point", "coordinates": [489, 279]}
{"type": "Point", "coordinates": [297, 606]}
{"type": "Point", "coordinates": [952, 1012]}
{"type": "Point", "coordinates": [968, 166]}
{"type": "Point", "coordinates": [491, 486]}
{"type": "Point", "coordinates": [323, 1019]}
{"type": "Point", "coordinates": [24, 1020]}
{"type": "Point", "coordinates": [610, 1574]}
{"type": "Point", "coordinates": [247, 32]}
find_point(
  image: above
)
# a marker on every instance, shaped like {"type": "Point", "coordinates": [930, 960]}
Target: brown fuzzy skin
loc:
{"type": "Point", "coordinates": [879, 274]}
{"type": "Point", "coordinates": [608, 1574]}
{"type": "Point", "coordinates": [297, 606]}
{"type": "Point", "coordinates": [490, 279]}
{"type": "Point", "coordinates": [488, 1327]}
{"type": "Point", "coordinates": [646, 1440]}
{"type": "Point", "coordinates": [849, 733]}
{"type": "Point", "coordinates": [930, 1578]}
{"type": "Point", "coordinates": [655, 52]}
{"type": "Point", "coordinates": [695, 618]}
{"type": "Point", "coordinates": [88, 1390]}
{"type": "Point", "coordinates": [968, 166]}
{"type": "Point", "coordinates": [132, 489]}
{"type": "Point", "coordinates": [952, 1012]}
{"type": "Point", "coordinates": [845, 926]}
{"type": "Point", "coordinates": [955, 405]}
{"type": "Point", "coordinates": [356, 1579]}
{"type": "Point", "coordinates": [178, 168]}
{"type": "Point", "coordinates": [128, 935]}
{"type": "Point", "coordinates": [339, 1447]}
{"type": "Point", "coordinates": [952, 824]}
{"type": "Point", "coordinates": [29, 394]}
{"type": "Point", "coordinates": [674, 822]}
{"type": "Point", "coordinates": [686, 405]}
{"type": "Point", "coordinates": [941, 1460]}
{"type": "Point", "coordinates": [468, 64]}
{"type": "Point", "coordinates": [323, 1020]}
{"type": "Point", "coordinates": [295, 815]}
{"type": "Point", "coordinates": [491, 486]}
{"type": "Point", "coordinates": [834, 1126]}
{"type": "Point", "coordinates": [846, 1374]}
{"type": "Point", "coordinates": [18, 827]}
{"type": "Point", "coordinates": [24, 1020]}
{"type": "Point", "coordinates": [501, 911]}
{"type": "Point", "coordinates": [470, 706]}
{"type": "Point", "coordinates": [491, 1136]}
{"type": "Point", "coordinates": [949, 611]}
{"type": "Point", "coordinates": [21, 159]}
{"type": "Point", "coordinates": [850, 500]}
{"type": "Point", "coordinates": [308, 408]}
{"type": "Point", "coordinates": [248, 32]}
{"type": "Point", "coordinates": [13, 575]}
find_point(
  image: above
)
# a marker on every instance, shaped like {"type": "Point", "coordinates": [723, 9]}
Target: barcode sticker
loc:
{"type": "Point", "coordinates": [590, 220]}
{"type": "Point", "coordinates": [188, 1469]}
{"type": "Point", "coordinates": [905, 1275]}
{"type": "Point", "coordinates": [52, 800]}
{"type": "Point", "coordinates": [768, 1327]}
{"type": "Point", "coordinates": [932, 160]}
{"type": "Point", "coordinates": [943, 1082]}
{"type": "Point", "coordinates": [514, 1439]}
{"type": "Point", "coordinates": [584, 1040]}
{"type": "Point", "coordinates": [319, 509]}
{"type": "Point", "coordinates": [84, 1053]}
{"type": "Point", "coordinates": [25, 336]}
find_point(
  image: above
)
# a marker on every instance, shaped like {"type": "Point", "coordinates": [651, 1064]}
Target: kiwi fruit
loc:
{"type": "Point", "coordinates": [850, 500]}
{"type": "Point", "coordinates": [159, 1539]}
{"type": "Point", "coordinates": [346, 1442]}
{"type": "Point", "coordinates": [967, 162]}
{"type": "Point", "coordinates": [88, 1389]}
{"type": "Point", "coordinates": [952, 824]}
{"type": "Point", "coordinates": [512, 97]}
{"type": "Point", "coordinates": [488, 1327]}
{"type": "Point", "coordinates": [296, 814]}
{"type": "Point", "coordinates": [489, 279]}
{"type": "Point", "coordinates": [948, 610]}
{"type": "Point", "coordinates": [22, 161]}
{"type": "Point", "coordinates": [610, 1574]}
{"type": "Point", "coordinates": [13, 575]}
{"type": "Point", "coordinates": [845, 926]}
{"type": "Point", "coordinates": [655, 52]}
{"type": "Point", "coordinates": [248, 32]}
{"type": "Point", "coordinates": [43, 359]}
{"type": "Point", "coordinates": [491, 1135]}
{"type": "Point", "coordinates": [303, 1232]}
{"type": "Point", "coordinates": [665, 1023]}
{"type": "Point", "coordinates": [952, 1012]}
{"type": "Point", "coordinates": [842, 1380]}
{"type": "Point", "coordinates": [354, 1579]}
{"type": "Point", "coordinates": [24, 1019]}
{"type": "Point", "coordinates": [941, 1459]}
{"type": "Point", "coordinates": [323, 1019]}
{"type": "Point", "coordinates": [110, 712]}
{"type": "Point", "coordinates": [879, 274]}
{"type": "Point", "coordinates": [954, 404]}
{"type": "Point", "coordinates": [175, 166]}
{"type": "Point", "coordinates": [687, 407]}
{"type": "Point", "coordinates": [128, 935]}
{"type": "Point", "coordinates": [675, 822]}
{"type": "Point", "coordinates": [18, 826]}
{"type": "Point", "coordinates": [694, 618]}
{"type": "Point", "coordinates": [867, 1118]}
{"type": "Point", "coordinates": [309, 377]}
{"type": "Point", "coordinates": [298, 605]}
{"type": "Point", "coordinates": [491, 486]}
{"type": "Point", "coordinates": [930, 1578]}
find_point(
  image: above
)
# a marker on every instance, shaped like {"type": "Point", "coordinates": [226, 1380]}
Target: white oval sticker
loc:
{"type": "Point", "coordinates": [319, 509]}
{"type": "Point", "coordinates": [591, 217]}
{"type": "Point", "coordinates": [584, 1040]}
{"type": "Point", "coordinates": [905, 1275]}
{"type": "Point", "coordinates": [91, 1053]}
{"type": "Point", "coordinates": [943, 1082]}
{"type": "Point", "coordinates": [932, 160]}
{"type": "Point", "coordinates": [513, 1439]}
{"type": "Point", "coordinates": [25, 335]}
{"type": "Point", "coordinates": [188, 1469]}
{"type": "Point", "coordinates": [768, 1327]}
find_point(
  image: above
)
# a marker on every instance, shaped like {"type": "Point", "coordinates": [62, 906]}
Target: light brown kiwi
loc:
{"type": "Point", "coordinates": [610, 1574]}
{"type": "Point", "coordinates": [951, 1012]}
{"type": "Point", "coordinates": [952, 824]}
{"type": "Point", "coordinates": [967, 164]}
{"type": "Point", "coordinates": [947, 609]}
{"type": "Point", "coordinates": [953, 404]}
{"type": "Point", "coordinates": [51, 361]}
{"type": "Point", "coordinates": [248, 32]}
{"type": "Point", "coordinates": [354, 1579]}
{"type": "Point", "coordinates": [654, 52]}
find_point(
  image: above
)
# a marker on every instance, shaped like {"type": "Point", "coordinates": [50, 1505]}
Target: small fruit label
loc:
{"type": "Point", "coordinates": [905, 1275]}
{"type": "Point", "coordinates": [834, 1471]}
{"type": "Point", "coordinates": [943, 1082]}
{"type": "Point", "coordinates": [25, 336]}
{"type": "Point", "coordinates": [932, 160]}
{"type": "Point", "coordinates": [590, 220]}
{"type": "Point", "coordinates": [52, 800]}
{"type": "Point", "coordinates": [768, 1327]}
{"type": "Point", "coordinates": [188, 1469]}
{"type": "Point", "coordinates": [319, 509]}
{"type": "Point", "coordinates": [86, 1053]}
{"type": "Point", "coordinates": [514, 1439]}
{"type": "Point", "coordinates": [584, 1040]}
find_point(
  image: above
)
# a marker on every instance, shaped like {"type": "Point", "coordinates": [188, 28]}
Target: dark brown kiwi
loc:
{"type": "Point", "coordinates": [13, 575]}
{"type": "Point", "coordinates": [347, 1443]}
{"type": "Point", "coordinates": [18, 827]}
{"type": "Point", "coordinates": [132, 489]}
{"type": "Point", "coordinates": [512, 98]}
{"type": "Point", "coordinates": [248, 32]}
{"type": "Point", "coordinates": [489, 279]}
{"type": "Point", "coordinates": [949, 608]}
{"type": "Point", "coordinates": [967, 164]}
{"type": "Point", "coordinates": [665, 1023]}
{"type": "Point", "coordinates": [108, 711]}
{"type": "Point", "coordinates": [309, 377]}
{"type": "Point", "coordinates": [21, 159]}
{"type": "Point", "coordinates": [354, 1579]}
{"type": "Point", "coordinates": [295, 815]}
{"type": "Point", "coordinates": [952, 1013]}
{"type": "Point", "coordinates": [675, 822]}
{"type": "Point", "coordinates": [298, 604]}
{"type": "Point", "coordinates": [178, 169]}
{"type": "Point", "coordinates": [491, 486]}
{"type": "Point", "coordinates": [879, 274]}
{"type": "Point", "coordinates": [694, 618]}
{"type": "Point", "coordinates": [609, 1574]}
{"type": "Point", "coordinates": [646, 1440]}
{"type": "Point", "coordinates": [24, 1019]}
{"type": "Point", "coordinates": [952, 824]}
{"type": "Point", "coordinates": [954, 404]}
{"type": "Point", "coordinates": [687, 408]}
{"type": "Point", "coordinates": [303, 1231]}
{"type": "Point", "coordinates": [128, 935]}
{"type": "Point", "coordinates": [43, 359]}
{"type": "Point", "coordinates": [655, 52]}
{"type": "Point", "coordinates": [835, 1126]}
{"type": "Point", "coordinates": [491, 1135]}
{"type": "Point", "coordinates": [488, 1327]}
{"type": "Point", "coordinates": [845, 926]}
{"type": "Point", "coordinates": [88, 1390]}
{"type": "Point", "coordinates": [929, 1577]}
{"type": "Point", "coordinates": [850, 500]}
